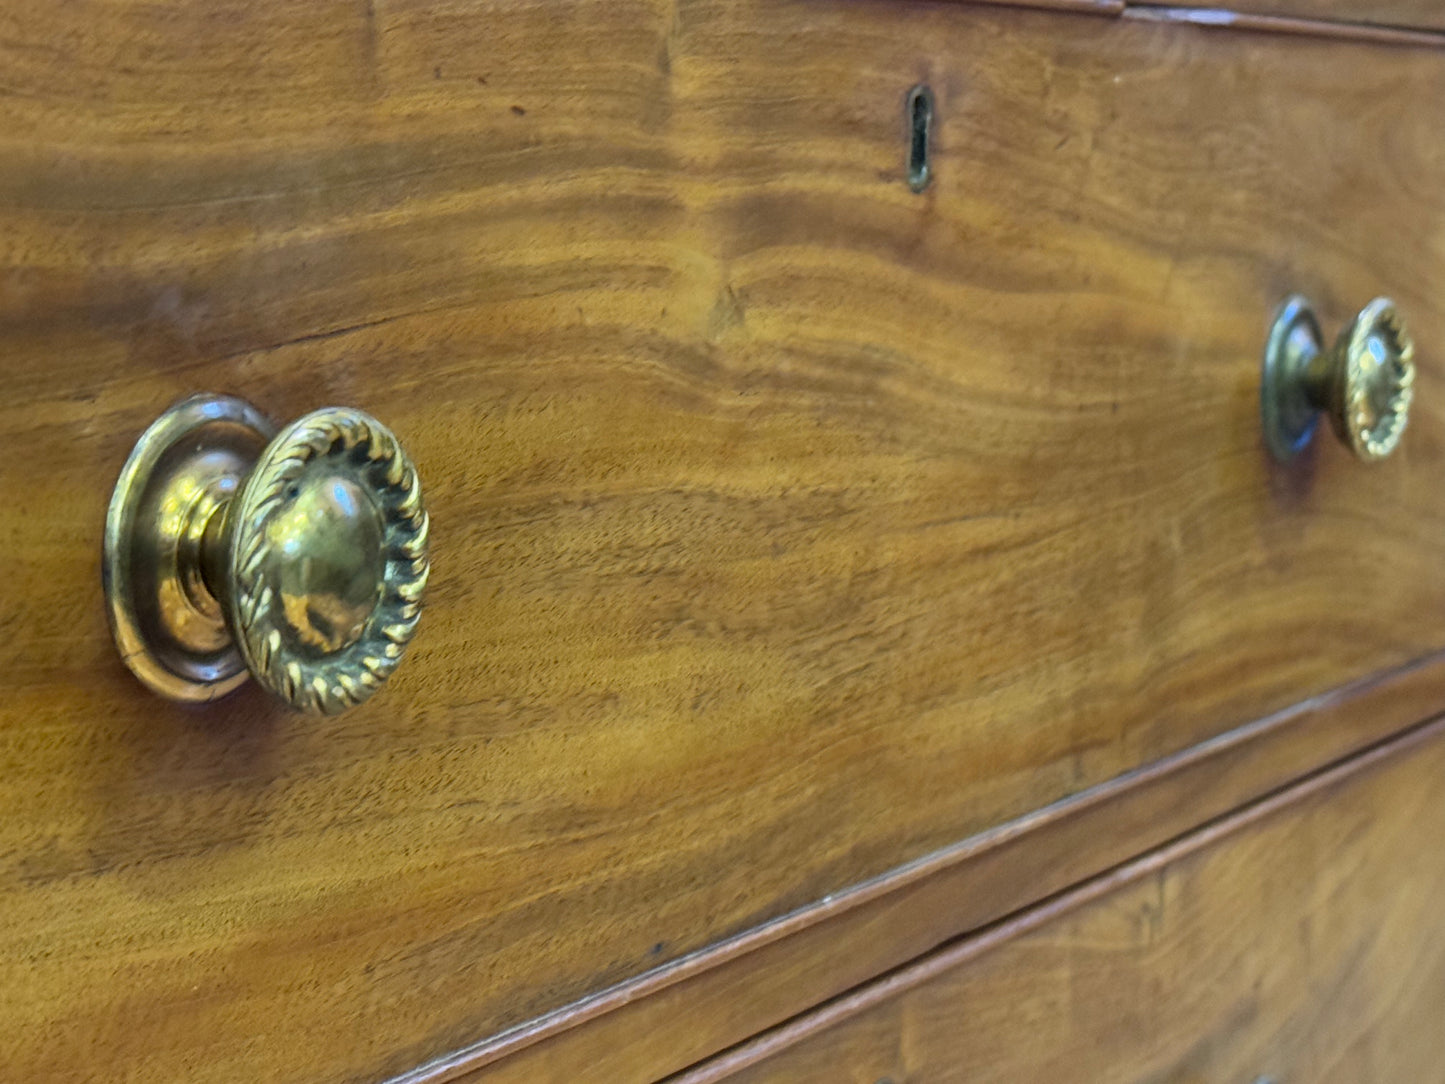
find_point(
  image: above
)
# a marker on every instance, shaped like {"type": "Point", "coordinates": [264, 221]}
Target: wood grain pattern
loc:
{"type": "Point", "coordinates": [1299, 940]}
{"type": "Point", "coordinates": [666, 1020]}
{"type": "Point", "coordinates": [787, 526]}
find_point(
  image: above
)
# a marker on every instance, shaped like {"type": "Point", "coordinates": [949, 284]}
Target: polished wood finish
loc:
{"type": "Point", "coordinates": [1298, 940]}
{"type": "Point", "coordinates": [664, 1021]}
{"type": "Point", "coordinates": [788, 526]}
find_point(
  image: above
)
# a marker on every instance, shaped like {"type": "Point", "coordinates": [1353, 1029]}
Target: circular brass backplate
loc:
{"type": "Point", "coordinates": [1288, 414]}
{"type": "Point", "coordinates": [170, 629]}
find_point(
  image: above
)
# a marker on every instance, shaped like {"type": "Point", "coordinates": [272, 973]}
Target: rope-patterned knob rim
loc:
{"type": "Point", "coordinates": [1377, 391]}
{"type": "Point", "coordinates": [355, 445]}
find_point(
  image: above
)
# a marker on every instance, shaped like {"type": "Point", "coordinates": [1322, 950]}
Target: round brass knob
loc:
{"type": "Point", "coordinates": [300, 556]}
{"type": "Point", "coordinates": [1365, 383]}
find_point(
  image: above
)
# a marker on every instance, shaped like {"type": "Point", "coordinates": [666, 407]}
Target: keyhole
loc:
{"type": "Point", "coordinates": [920, 120]}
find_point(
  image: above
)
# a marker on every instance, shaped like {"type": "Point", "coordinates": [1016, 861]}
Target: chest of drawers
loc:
{"type": "Point", "coordinates": [823, 570]}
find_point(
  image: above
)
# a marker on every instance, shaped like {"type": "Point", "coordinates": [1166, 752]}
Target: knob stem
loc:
{"type": "Point", "coordinates": [215, 550]}
{"type": "Point", "coordinates": [1317, 370]}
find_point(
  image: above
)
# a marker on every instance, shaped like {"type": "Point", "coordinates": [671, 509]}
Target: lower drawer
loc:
{"type": "Point", "coordinates": [1301, 940]}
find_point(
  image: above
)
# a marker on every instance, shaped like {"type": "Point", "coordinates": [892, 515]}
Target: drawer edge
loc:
{"type": "Point", "coordinates": [964, 950]}
{"type": "Point", "coordinates": [657, 1024]}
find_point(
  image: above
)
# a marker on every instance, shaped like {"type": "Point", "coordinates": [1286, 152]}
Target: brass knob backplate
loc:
{"type": "Point", "coordinates": [299, 556]}
{"type": "Point", "coordinates": [1365, 383]}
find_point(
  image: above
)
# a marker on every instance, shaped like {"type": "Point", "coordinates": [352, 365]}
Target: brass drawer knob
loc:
{"type": "Point", "coordinates": [300, 556]}
{"type": "Point", "coordinates": [1365, 383]}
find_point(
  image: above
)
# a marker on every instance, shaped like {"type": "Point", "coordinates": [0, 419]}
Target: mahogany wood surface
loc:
{"type": "Point", "coordinates": [787, 526]}
{"type": "Point", "coordinates": [1298, 940]}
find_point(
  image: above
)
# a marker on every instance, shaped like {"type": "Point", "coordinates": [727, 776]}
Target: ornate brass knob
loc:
{"type": "Point", "coordinates": [1365, 383]}
{"type": "Point", "coordinates": [299, 555]}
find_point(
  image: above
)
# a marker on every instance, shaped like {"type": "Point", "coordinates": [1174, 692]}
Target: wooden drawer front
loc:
{"type": "Point", "coordinates": [1302, 945]}
{"type": "Point", "coordinates": [787, 525]}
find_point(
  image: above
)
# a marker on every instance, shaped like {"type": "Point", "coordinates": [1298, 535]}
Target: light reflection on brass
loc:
{"type": "Point", "coordinates": [1365, 384]}
{"type": "Point", "coordinates": [325, 557]}
{"type": "Point", "coordinates": [301, 558]}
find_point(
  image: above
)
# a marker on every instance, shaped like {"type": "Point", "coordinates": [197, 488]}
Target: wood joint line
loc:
{"type": "Point", "coordinates": [982, 880]}
{"type": "Point", "coordinates": [1222, 18]}
{"type": "Point", "coordinates": [1226, 19]}
{"type": "Point", "coordinates": [960, 950]}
